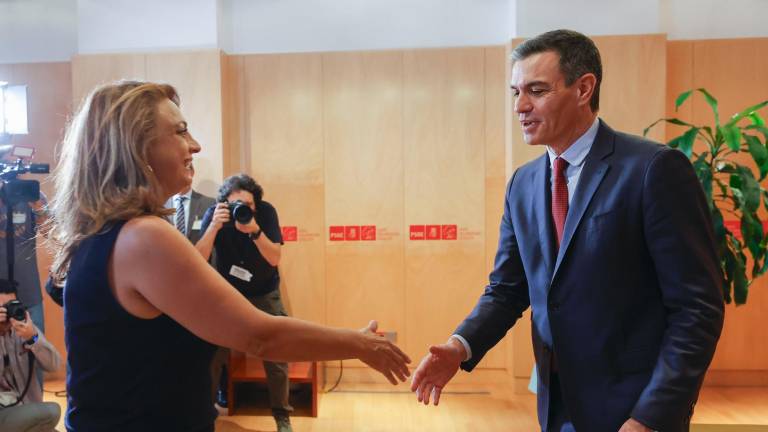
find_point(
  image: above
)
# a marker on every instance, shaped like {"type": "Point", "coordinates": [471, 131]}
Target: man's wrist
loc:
{"type": "Point", "coordinates": [255, 235]}
{"type": "Point", "coordinates": [459, 346]}
{"type": "Point", "coordinates": [32, 340]}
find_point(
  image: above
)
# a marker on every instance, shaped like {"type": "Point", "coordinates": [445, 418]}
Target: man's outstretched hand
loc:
{"type": "Point", "coordinates": [436, 369]}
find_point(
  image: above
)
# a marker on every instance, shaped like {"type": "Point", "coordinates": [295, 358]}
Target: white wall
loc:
{"type": "Point", "coordinates": [593, 17]}
{"type": "Point", "coordinates": [146, 25]}
{"type": "Point", "coordinates": [714, 19]}
{"type": "Point", "coordinates": [54, 30]}
{"type": "Point", "coordinates": [265, 26]}
{"type": "Point", "coordinates": [37, 30]}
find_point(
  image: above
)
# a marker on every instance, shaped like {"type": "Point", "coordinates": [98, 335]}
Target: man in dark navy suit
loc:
{"type": "Point", "coordinates": [608, 238]}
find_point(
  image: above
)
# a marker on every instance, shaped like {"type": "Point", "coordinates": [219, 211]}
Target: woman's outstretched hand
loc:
{"type": "Point", "coordinates": [383, 356]}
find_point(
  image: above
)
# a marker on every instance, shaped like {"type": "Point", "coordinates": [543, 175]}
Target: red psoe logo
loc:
{"type": "Point", "coordinates": [433, 232]}
{"type": "Point", "coordinates": [290, 234]}
{"type": "Point", "coordinates": [352, 232]}
{"type": "Point", "coordinates": [417, 232]}
{"type": "Point", "coordinates": [336, 233]}
{"type": "Point", "coordinates": [449, 232]}
{"type": "Point", "coordinates": [368, 232]}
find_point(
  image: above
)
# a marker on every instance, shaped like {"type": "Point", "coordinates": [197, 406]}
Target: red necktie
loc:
{"type": "Point", "coordinates": [560, 198]}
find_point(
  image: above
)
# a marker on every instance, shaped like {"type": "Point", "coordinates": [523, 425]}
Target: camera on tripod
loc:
{"type": "Point", "coordinates": [12, 189]}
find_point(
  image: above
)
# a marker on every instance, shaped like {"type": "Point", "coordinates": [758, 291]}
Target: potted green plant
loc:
{"type": "Point", "coordinates": [731, 187]}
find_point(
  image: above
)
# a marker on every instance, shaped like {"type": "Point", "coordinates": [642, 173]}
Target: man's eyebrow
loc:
{"type": "Point", "coordinates": [530, 84]}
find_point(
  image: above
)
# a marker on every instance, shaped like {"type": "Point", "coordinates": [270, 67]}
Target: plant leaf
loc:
{"type": "Point", "coordinates": [755, 119]}
{"type": "Point", "coordinates": [680, 99]}
{"type": "Point", "coordinates": [732, 135]}
{"type": "Point", "coordinates": [750, 189]}
{"type": "Point", "coordinates": [746, 112]}
{"type": "Point", "coordinates": [687, 140]}
{"type": "Point", "coordinates": [671, 120]}
{"type": "Point", "coordinates": [759, 154]}
{"type": "Point", "coordinates": [712, 104]}
{"type": "Point", "coordinates": [704, 174]}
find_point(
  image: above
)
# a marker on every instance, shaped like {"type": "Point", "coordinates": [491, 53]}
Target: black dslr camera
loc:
{"type": "Point", "coordinates": [239, 212]}
{"type": "Point", "coordinates": [16, 310]}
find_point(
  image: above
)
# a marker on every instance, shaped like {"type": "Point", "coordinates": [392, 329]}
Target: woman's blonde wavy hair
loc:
{"type": "Point", "coordinates": [103, 173]}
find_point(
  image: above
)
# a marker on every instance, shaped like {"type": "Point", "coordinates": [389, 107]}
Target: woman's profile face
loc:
{"type": "Point", "coordinates": [170, 156]}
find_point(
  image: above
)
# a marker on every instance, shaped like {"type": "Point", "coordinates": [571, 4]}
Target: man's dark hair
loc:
{"type": "Point", "coordinates": [240, 182]}
{"type": "Point", "coordinates": [6, 288]}
{"type": "Point", "coordinates": [578, 56]}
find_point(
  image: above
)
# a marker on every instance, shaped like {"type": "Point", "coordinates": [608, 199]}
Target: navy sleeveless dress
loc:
{"type": "Point", "coordinates": [126, 373]}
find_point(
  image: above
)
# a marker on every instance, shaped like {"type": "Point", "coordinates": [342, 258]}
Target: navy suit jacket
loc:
{"type": "Point", "coordinates": [633, 295]}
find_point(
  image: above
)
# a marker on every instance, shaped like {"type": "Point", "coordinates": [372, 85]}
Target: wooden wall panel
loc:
{"type": "Point", "coordinates": [236, 155]}
{"type": "Point", "coordinates": [444, 140]}
{"type": "Point", "coordinates": [363, 116]}
{"type": "Point", "coordinates": [284, 133]}
{"type": "Point", "coordinates": [89, 71]}
{"type": "Point", "coordinates": [197, 77]}
{"type": "Point", "coordinates": [49, 106]}
{"type": "Point", "coordinates": [633, 93]}
{"type": "Point", "coordinates": [734, 72]}
{"type": "Point", "coordinates": [496, 128]}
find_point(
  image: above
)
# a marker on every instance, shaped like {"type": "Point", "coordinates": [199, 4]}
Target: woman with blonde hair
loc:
{"type": "Point", "coordinates": [141, 306]}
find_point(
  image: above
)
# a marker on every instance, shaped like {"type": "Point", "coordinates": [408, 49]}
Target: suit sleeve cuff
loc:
{"type": "Point", "coordinates": [466, 346]}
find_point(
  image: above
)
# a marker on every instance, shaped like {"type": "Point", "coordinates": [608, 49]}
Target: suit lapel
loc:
{"type": "Point", "coordinates": [592, 174]}
{"type": "Point", "coordinates": [541, 210]}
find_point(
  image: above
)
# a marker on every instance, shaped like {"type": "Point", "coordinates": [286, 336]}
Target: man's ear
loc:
{"type": "Point", "coordinates": [585, 86]}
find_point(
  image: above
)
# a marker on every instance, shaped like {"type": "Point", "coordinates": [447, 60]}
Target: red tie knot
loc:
{"type": "Point", "coordinates": [560, 165]}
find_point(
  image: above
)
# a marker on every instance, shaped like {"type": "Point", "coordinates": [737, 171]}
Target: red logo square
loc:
{"type": "Point", "coordinates": [290, 233]}
{"type": "Point", "coordinates": [449, 232]}
{"type": "Point", "coordinates": [352, 232]}
{"type": "Point", "coordinates": [417, 232]}
{"type": "Point", "coordinates": [433, 232]}
{"type": "Point", "coordinates": [368, 232]}
{"type": "Point", "coordinates": [336, 233]}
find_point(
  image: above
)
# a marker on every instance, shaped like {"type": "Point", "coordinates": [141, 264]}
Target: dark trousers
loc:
{"type": "Point", "coordinates": [277, 373]}
{"type": "Point", "coordinates": [559, 420]}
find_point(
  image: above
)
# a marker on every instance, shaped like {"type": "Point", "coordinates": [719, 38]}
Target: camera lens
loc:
{"type": "Point", "coordinates": [242, 213]}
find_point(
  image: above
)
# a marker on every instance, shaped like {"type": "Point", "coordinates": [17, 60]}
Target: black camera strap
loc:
{"type": "Point", "coordinates": [31, 359]}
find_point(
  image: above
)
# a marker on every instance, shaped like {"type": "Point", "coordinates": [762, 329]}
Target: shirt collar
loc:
{"type": "Point", "coordinates": [577, 152]}
{"type": "Point", "coordinates": [187, 195]}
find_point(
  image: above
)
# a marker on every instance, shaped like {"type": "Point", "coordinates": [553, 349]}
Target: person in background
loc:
{"type": "Point", "coordinates": [24, 350]}
{"type": "Point", "coordinates": [190, 207]}
{"type": "Point", "coordinates": [247, 255]}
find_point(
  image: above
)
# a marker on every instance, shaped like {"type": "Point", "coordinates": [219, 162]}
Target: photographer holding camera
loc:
{"type": "Point", "coordinates": [24, 349]}
{"type": "Point", "coordinates": [27, 217]}
{"type": "Point", "coordinates": [245, 232]}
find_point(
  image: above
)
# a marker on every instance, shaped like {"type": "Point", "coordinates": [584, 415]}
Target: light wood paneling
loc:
{"type": "Point", "coordinates": [734, 72]}
{"type": "Point", "coordinates": [197, 77]}
{"type": "Point", "coordinates": [89, 71]}
{"type": "Point", "coordinates": [235, 154]}
{"type": "Point", "coordinates": [363, 116]}
{"type": "Point", "coordinates": [497, 97]}
{"type": "Point", "coordinates": [633, 93]}
{"type": "Point", "coordinates": [284, 131]}
{"type": "Point", "coordinates": [444, 142]}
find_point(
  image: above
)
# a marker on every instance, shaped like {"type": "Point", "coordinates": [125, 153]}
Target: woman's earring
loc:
{"type": "Point", "coordinates": [150, 168]}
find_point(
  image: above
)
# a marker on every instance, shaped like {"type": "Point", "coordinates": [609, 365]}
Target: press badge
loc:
{"type": "Point", "coordinates": [19, 218]}
{"type": "Point", "coordinates": [240, 273]}
{"type": "Point", "coordinates": [197, 224]}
